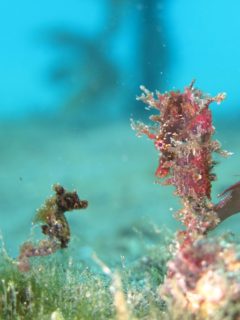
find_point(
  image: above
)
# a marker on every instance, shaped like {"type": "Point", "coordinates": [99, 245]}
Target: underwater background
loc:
{"type": "Point", "coordinates": [70, 73]}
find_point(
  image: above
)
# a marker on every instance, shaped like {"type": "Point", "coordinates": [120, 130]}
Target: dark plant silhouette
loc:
{"type": "Point", "coordinates": [87, 69]}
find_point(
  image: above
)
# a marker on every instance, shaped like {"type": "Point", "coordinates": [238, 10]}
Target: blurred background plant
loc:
{"type": "Point", "coordinates": [92, 70]}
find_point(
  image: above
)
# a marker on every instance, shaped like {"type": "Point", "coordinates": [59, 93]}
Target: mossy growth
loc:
{"type": "Point", "coordinates": [56, 287]}
{"type": "Point", "coordinates": [52, 288]}
{"type": "Point", "coordinates": [60, 288]}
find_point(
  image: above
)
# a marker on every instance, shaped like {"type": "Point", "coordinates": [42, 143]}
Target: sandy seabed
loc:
{"type": "Point", "coordinates": [109, 167]}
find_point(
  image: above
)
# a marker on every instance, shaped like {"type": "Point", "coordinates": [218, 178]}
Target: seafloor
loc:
{"type": "Point", "coordinates": [109, 167]}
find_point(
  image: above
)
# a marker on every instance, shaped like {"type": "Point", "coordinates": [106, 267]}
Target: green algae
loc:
{"type": "Point", "coordinates": [57, 287]}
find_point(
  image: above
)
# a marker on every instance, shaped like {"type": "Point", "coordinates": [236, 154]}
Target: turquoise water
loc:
{"type": "Point", "coordinates": [111, 168]}
{"type": "Point", "coordinates": [68, 91]}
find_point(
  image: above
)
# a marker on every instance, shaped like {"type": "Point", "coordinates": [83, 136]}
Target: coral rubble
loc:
{"type": "Point", "coordinates": [204, 277]}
